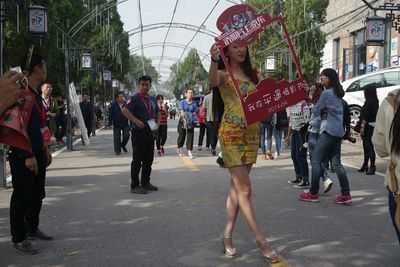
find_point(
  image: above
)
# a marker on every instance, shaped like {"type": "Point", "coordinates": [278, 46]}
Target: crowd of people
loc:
{"type": "Point", "coordinates": [315, 128]}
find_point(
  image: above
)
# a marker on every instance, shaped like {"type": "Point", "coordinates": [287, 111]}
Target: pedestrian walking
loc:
{"type": "Point", "coordinates": [299, 115]}
{"type": "Point", "coordinates": [208, 114]}
{"type": "Point", "coordinates": [87, 113]}
{"type": "Point", "coordinates": [266, 128]}
{"type": "Point", "coordinates": [330, 108]}
{"type": "Point", "coordinates": [386, 139]}
{"type": "Point", "coordinates": [142, 110]}
{"type": "Point", "coordinates": [28, 169]}
{"type": "Point", "coordinates": [239, 142]}
{"type": "Point", "coordinates": [203, 131]}
{"type": "Point", "coordinates": [280, 124]}
{"type": "Point", "coordinates": [163, 128]}
{"type": "Point", "coordinates": [61, 120]}
{"type": "Point", "coordinates": [120, 124]}
{"type": "Point", "coordinates": [367, 124]}
{"type": "Point", "coordinates": [187, 111]}
{"type": "Point", "coordinates": [50, 107]}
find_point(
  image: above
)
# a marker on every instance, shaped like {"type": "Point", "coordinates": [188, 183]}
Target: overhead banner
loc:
{"type": "Point", "coordinates": [241, 25]}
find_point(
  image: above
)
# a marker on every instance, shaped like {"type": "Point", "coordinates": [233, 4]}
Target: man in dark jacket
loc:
{"type": "Point", "coordinates": [28, 168]}
{"type": "Point", "coordinates": [120, 123]}
{"type": "Point", "coordinates": [87, 114]}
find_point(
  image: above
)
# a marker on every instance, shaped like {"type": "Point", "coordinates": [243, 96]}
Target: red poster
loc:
{"type": "Point", "coordinates": [241, 25]}
{"type": "Point", "coordinates": [14, 121]}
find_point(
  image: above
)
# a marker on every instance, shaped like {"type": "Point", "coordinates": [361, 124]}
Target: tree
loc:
{"type": "Point", "coordinates": [188, 74]}
{"type": "Point", "coordinates": [302, 19]}
{"type": "Point", "coordinates": [136, 68]}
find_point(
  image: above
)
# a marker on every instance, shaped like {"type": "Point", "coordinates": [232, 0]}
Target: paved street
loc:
{"type": "Point", "coordinates": [96, 221]}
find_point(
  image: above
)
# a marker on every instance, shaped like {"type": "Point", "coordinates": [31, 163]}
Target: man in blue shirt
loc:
{"type": "Point", "coordinates": [143, 112]}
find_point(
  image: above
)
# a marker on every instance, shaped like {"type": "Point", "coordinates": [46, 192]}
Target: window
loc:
{"type": "Point", "coordinates": [353, 87]}
{"type": "Point", "coordinates": [392, 78]}
{"type": "Point", "coordinates": [371, 79]}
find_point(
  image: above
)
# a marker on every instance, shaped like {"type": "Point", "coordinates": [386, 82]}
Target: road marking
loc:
{"type": "Point", "coordinates": [189, 163]}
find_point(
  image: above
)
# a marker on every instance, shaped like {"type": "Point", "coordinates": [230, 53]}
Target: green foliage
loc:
{"type": "Point", "coordinates": [136, 68]}
{"type": "Point", "coordinates": [302, 24]}
{"type": "Point", "coordinates": [101, 33]}
{"type": "Point", "coordinates": [187, 74]}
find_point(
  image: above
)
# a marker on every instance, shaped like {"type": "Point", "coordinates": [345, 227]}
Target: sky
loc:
{"type": "Point", "coordinates": [157, 12]}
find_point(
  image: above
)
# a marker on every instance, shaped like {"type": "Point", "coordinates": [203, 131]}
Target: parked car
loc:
{"type": "Point", "coordinates": [386, 80]}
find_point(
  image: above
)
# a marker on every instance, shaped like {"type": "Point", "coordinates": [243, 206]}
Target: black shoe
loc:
{"type": "Point", "coordinates": [25, 247]}
{"type": "Point", "coordinates": [39, 235]}
{"type": "Point", "coordinates": [295, 181]}
{"type": "Point", "coordinates": [371, 171]}
{"type": "Point", "coordinates": [124, 149]}
{"type": "Point", "coordinates": [363, 169]}
{"type": "Point", "coordinates": [220, 162]}
{"type": "Point", "coordinates": [213, 152]}
{"type": "Point", "coordinates": [303, 184]}
{"type": "Point", "coordinates": [117, 153]}
{"type": "Point", "coordinates": [138, 190]}
{"type": "Point", "coordinates": [150, 187]}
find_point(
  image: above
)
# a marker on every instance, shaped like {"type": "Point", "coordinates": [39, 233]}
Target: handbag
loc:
{"type": "Point", "coordinates": [395, 191]}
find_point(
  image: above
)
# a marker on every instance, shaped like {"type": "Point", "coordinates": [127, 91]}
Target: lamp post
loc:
{"type": "Point", "coordinates": [37, 21]}
{"type": "Point", "coordinates": [87, 64]}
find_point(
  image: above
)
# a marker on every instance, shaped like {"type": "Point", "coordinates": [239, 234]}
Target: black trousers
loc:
{"type": "Point", "coordinates": [204, 130]}
{"type": "Point", "coordinates": [117, 137]}
{"type": "Point", "coordinates": [161, 136]}
{"type": "Point", "coordinates": [61, 125]}
{"type": "Point", "coordinates": [143, 156]}
{"type": "Point", "coordinates": [212, 133]}
{"type": "Point", "coordinates": [368, 147]}
{"type": "Point", "coordinates": [27, 196]}
{"type": "Point", "coordinates": [182, 136]}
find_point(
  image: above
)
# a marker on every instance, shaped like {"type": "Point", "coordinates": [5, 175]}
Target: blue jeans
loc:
{"type": "Point", "coordinates": [278, 140]}
{"type": "Point", "coordinates": [268, 127]}
{"type": "Point", "coordinates": [328, 147]}
{"type": "Point", "coordinates": [299, 155]}
{"type": "Point", "coordinates": [392, 210]}
{"type": "Point", "coordinates": [312, 143]}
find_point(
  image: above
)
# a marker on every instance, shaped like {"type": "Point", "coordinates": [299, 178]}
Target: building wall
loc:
{"type": "Point", "coordinates": [345, 49]}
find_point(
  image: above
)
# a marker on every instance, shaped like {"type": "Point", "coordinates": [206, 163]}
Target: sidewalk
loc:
{"type": "Point", "coordinates": [96, 221]}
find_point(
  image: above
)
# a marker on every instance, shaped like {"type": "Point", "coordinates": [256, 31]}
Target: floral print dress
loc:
{"type": "Point", "coordinates": [239, 143]}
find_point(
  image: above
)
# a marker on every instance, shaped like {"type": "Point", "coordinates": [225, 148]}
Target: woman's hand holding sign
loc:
{"type": "Point", "coordinates": [215, 52]}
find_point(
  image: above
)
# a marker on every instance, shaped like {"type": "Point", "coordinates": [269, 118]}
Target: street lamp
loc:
{"type": "Point", "coordinates": [86, 61]}
{"type": "Point", "coordinates": [37, 21]}
{"type": "Point", "coordinates": [375, 31]}
{"type": "Point", "coordinates": [270, 63]}
{"type": "Point", "coordinates": [86, 64]}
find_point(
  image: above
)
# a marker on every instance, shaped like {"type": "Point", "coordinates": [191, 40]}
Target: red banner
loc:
{"type": "Point", "coordinates": [14, 121]}
{"type": "Point", "coordinates": [241, 26]}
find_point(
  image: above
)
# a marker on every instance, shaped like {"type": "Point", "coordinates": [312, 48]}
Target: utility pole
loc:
{"type": "Point", "coordinates": [66, 65]}
{"type": "Point", "coordinates": [3, 159]}
{"type": "Point", "coordinates": [92, 95]}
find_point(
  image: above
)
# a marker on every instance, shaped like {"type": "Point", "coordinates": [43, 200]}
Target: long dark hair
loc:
{"type": "Point", "coordinates": [370, 92]}
{"type": "Point", "coordinates": [334, 81]}
{"type": "Point", "coordinates": [395, 127]}
{"type": "Point", "coordinates": [218, 103]}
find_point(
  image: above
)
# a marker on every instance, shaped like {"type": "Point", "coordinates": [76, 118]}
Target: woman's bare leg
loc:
{"type": "Point", "coordinates": [232, 210]}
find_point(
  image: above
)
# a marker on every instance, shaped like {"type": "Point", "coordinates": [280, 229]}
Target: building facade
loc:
{"type": "Point", "coordinates": [346, 49]}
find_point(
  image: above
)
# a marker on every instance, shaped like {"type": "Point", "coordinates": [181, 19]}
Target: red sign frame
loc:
{"type": "Point", "coordinates": [241, 26]}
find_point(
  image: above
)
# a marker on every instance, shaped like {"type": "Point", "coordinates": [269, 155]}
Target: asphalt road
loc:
{"type": "Point", "coordinates": [96, 221]}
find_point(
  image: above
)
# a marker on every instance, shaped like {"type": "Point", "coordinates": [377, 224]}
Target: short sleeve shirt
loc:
{"type": "Point", "coordinates": [143, 108]}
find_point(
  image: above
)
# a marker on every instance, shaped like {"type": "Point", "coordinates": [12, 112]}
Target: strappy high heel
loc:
{"type": "Point", "coordinates": [271, 257]}
{"type": "Point", "coordinates": [229, 252]}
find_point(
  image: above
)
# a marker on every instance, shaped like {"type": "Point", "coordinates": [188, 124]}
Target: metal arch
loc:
{"type": "Point", "coordinates": [169, 44]}
{"type": "Point", "coordinates": [166, 35]}
{"type": "Point", "coordinates": [141, 36]}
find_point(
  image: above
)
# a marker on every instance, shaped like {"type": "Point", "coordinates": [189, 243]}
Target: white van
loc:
{"type": "Point", "coordinates": [386, 80]}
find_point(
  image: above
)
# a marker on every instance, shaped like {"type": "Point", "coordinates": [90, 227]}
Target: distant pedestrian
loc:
{"type": "Point", "coordinates": [142, 110]}
{"type": "Point", "coordinates": [61, 120]}
{"type": "Point", "coordinates": [210, 123]}
{"type": "Point", "coordinates": [280, 124]}
{"type": "Point", "coordinates": [266, 128]}
{"type": "Point", "coordinates": [50, 107]}
{"type": "Point", "coordinates": [163, 128]}
{"type": "Point", "coordinates": [28, 169]}
{"type": "Point", "coordinates": [330, 108]}
{"type": "Point", "coordinates": [386, 139]}
{"type": "Point", "coordinates": [367, 118]}
{"type": "Point", "coordinates": [203, 131]}
{"type": "Point", "coordinates": [87, 113]}
{"type": "Point", "coordinates": [120, 124]}
{"type": "Point", "coordinates": [187, 111]}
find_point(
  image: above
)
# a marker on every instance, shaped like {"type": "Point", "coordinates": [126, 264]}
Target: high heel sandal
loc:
{"type": "Point", "coordinates": [229, 252]}
{"type": "Point", "coordinates": [271, 257]}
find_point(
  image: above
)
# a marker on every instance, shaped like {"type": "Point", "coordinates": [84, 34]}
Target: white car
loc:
{"type": "Point", "coordinates": [386, 80]}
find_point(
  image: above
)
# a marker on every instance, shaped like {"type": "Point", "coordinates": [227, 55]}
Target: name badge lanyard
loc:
{"type": "Point", "coordinates": [148, 106]}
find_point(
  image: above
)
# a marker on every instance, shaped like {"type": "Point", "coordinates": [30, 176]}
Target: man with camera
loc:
{"type": "Point", "coordinates": [28, 169]}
